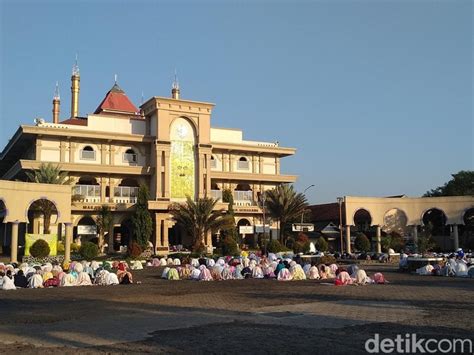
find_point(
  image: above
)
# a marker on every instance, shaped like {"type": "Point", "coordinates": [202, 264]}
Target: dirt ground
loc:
{"type": "Point", "coordinates": [253, 316]}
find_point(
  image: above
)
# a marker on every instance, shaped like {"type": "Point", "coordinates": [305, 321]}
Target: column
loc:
{"type": "Point", "coordinates": [103, 154]}
{"type": "Point", "coordinates": [378, 234]}
{"type": "Point", "coordinates": [231, 163]}
{"type": "Point", "coordinates": [348, 239]}
{"type": "Point", "coordinates": [165, 234]}
{"type": "Point", "coordinates": [103, 186]}
{"type": "Point", "coordinates": [62, 152]}
{"type": "Point", "coordinates": [72, 151]}
{"type": "Point", "coordinates": [38, 149]}
{"type": "Point", "coordinates": [260, 164]}
{"type": "Point", "coordinates": [111, 189]}
{"type": "Point", "coordinates": [415, 236]}
{"type": "Point", "coordinates": [277, 166]}
{"type": "Point", "coordinates": [67, 243]}
{"type": "Point", "coordinates": [158, 244]}
{"type": "Point", "coordinates": [167, 174]}
{"type": "Point", "coordinates": [254, 164]}
{"type": "Point", "coordinates": [208, 242]}
{"type": "Point", "coordinates": [456, 236]}
{"type": "Point", "coordinates": [14, 243]}
{"type": "Point", "coordinates": [208, 175]}
{"type": "Point", "coordinates": [111, 154]}
{"type": "Point", "coordinates": [201, 172]}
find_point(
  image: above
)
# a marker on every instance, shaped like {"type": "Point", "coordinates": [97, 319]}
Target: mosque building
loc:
{"type": "Point", "coordinates": [167, 144]}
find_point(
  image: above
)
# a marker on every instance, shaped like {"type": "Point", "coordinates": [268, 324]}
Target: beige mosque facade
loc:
{"type": "Point", "coordinates": [168, 144]}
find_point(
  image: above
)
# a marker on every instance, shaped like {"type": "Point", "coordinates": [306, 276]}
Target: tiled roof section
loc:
{"type": "Point", "coordinates": [75, 121]}
{"type": "Point", "coordinates": [117, 101]}
{"type": "Point", "coordinates": [328, 212]}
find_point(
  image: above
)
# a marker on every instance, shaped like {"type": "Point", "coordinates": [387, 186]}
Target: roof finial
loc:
{"type": "Point", "coordinates": [75, 68]}
{"type": "Point", "coordinates": [175, 82]}
{"type": "Point", "coordinates": [56, 92]}
{"type": "Point", "coordinates": [116, 76]}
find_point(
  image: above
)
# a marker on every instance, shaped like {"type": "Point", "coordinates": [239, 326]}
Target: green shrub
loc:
{"type": "Point", "coordinates": [40, 249]}
{"type": "Point", "coordinates": [135, 250]}
{"type": "Point", "coordinates": [60, 248]}
{"type": "Point", "coordinates": [75, 248]}
{"type": "Point", "coordinates": [321, 244]}
{"type": "Point", "coordinates": [362, 243]}
{"type": "Point", "coordinates": [89, 250]}
{"type": "Point", "coordinates": [302, 244]}
{"type": "Point", "coordinates": [229, 246]}
{"type": "Point", "coordinates": [274, 246]}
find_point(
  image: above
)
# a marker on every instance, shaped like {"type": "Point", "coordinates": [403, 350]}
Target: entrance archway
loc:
{"type": "Point", "coordinates": [435, 219]}
{"type": "Point", "coordinates": [42, 215]}
{"type": "Point", "coordinates": [86, 230]}
{"type": "Point", "coordinates": [362, 220]}
{"type": "Point", "coordinates": [123, 234]}
{"type": "Point", "coordinates": [246, 238]}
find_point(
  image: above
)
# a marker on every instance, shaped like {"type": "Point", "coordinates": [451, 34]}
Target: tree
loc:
{"type": "Point", "coordinates": [362, 243]}
{"type": "Point", "coordinates": [425, 241]}
{"type": "Point", "coordinates": [321, 244]}
{"type": "Point", "coordinates": [199, 218]}
{"type": "Point", "coordinates": [47, 174]}
{"type": "Point", "coordinates": [104, 223]}
{"type": "Point", "coordinates": [232, 230]}
{"type": "Point", "coordinates": [141, 220]}
{"type": "Point", "coordinates": [462, 184]}
{"type": "Point", "coordinates": [284, 204]}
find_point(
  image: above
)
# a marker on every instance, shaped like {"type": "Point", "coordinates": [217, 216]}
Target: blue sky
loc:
{"type": "Point", "coordinates": [375, 95]}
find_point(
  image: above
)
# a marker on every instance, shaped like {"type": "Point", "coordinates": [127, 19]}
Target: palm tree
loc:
{"type": "Point", "coordinates": [285, 204]}
{"type": "Point", "coordinates": [104, 223]}
{"type": "Point", "coordinates": [47, 174]}
{"type": "Point", "coordinates": [199, 218]}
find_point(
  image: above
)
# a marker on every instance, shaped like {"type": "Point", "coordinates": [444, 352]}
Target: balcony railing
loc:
{"type": "Point", "coordinates": [216, 195]}
{"type": "Point", "coordinates": [243, 196]}
{"type": "Point", "coordinates": [125, 194]}
{"type": "Point", "coordinates": [90, 193]}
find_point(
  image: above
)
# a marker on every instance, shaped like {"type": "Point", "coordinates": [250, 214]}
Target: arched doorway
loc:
{"type": "Point", "coordinates": [42, 217]}
{"type": "Point", "coordinates": [87, 189]}
{"type": "Point", "coordinates": [3, 230]}
{"type": "Point", "coordinates": [434, 224]}
{"type": "Point", "coordinates": [249, 238]}
{"type": "Point", "coordinates": [123, 234]}
{"type": "Point", "coordinates": [85, 231]}
{"type": "Point", "coordinates": [362, 220]}
{"type": "Point", "coordinates": [467, 230]}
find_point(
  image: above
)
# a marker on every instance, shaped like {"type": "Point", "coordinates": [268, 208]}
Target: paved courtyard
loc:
{"type": "Point", "coordinates": [254, 316]}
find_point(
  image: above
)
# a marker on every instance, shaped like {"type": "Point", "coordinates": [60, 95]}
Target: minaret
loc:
{"type": "Point", "coordinates": [75, 79]}
{"type": "Point", "coordinates": [175, 89]}
{"type": "Point", "coordinates": [56, 104]}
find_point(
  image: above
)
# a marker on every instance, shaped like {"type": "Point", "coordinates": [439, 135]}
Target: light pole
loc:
{"type": "Point", "coordinates": [339, 201]}
{"type": "Point", "coordinates": [302, 213]}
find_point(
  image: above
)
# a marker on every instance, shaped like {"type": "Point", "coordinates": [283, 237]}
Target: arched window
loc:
{"type": "Point", "coordinates": [213, 162]}
{"type": "Point", "coordinates": [87, 153]}
{"type": "Point", "coordinates": [130, 156]}
{"type": "Point", "coordinates": [243, 163]}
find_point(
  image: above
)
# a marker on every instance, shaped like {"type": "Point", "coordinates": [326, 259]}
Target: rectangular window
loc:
{"type": "Point", "coordinates": [87, 155]}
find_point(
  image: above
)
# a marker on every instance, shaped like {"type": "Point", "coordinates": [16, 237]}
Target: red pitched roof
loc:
{"type": "Point", "coordinates": [75, 121]}
{"type": "Point", "coordinates": [116, 101]}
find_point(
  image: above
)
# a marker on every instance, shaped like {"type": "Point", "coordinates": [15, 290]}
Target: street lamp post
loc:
{"type": "Point", "coordinates": [339, 201]}
{"type": "Point", "coordinates": [302, 213]}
